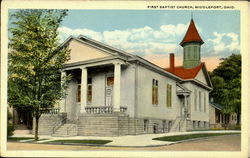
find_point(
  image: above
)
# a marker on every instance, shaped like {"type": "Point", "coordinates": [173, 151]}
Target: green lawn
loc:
{"type": "Point", "coordinates": [87, 142]}
{"type": "Point", "coordinates": [23, 138]}
{"type": "Point", "coordinates": [18, 138]}
{"type": "Point", "coordinates": [190, 136]}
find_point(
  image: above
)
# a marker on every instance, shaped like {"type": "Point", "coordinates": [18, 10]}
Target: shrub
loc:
{"type": "Point", "coordinates": [10, 127]}
{"type": "Point", "coordinates": [236, 127]}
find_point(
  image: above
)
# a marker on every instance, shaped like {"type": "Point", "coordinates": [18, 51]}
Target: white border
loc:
{"type": "Point", "coordinates": [139, 5]}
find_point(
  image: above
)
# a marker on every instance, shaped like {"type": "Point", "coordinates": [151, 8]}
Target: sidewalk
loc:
{"type": "Point", "coordinates": [129, 140]}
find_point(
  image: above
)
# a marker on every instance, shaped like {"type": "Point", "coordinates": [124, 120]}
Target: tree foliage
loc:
{"type": "Point", "coordinates": [35, 60]}
{"type": "Point", "coordinates": [226, 79]}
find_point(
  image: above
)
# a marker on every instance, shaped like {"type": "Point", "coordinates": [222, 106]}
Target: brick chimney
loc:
{"type": "Point", "coordinates": [171, 61]}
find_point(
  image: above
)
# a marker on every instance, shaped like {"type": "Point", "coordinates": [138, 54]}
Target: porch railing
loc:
{"type": "Point", "coordinates": [103, 109]}
{"type": "Point", "coordinates": [50, 110]}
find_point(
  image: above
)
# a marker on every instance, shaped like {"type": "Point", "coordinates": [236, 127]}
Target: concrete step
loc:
{"type": "Point", "coordinates": [66, 130]}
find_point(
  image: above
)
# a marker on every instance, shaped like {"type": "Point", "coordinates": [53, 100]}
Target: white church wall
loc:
{"type": "Point", "coordinates": [128, 89]}
{"type": "Point", "coordinates": [98, 89]}
{"type": "Point", "coordinates": [199, 113]}
{"type": "Point", "coordinates": [145, 106]}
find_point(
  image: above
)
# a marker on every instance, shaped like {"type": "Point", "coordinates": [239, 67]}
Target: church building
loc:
{"type": "Point", "coordinates": [115, 93]}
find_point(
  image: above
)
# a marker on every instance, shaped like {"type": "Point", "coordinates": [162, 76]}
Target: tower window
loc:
{"type": "Point", "coordinates": [195, 52]}
{"type": "Point", "coordinates": [189, 52]}
{"type": "Point", "coordinates": [185, 52]}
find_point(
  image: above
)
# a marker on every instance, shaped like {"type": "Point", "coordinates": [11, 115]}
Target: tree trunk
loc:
{"type": "Point", "coordinates": [36, 128]}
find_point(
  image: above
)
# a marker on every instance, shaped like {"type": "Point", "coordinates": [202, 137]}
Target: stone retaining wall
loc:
{"type": "Point", "coordinates": [115, 124]}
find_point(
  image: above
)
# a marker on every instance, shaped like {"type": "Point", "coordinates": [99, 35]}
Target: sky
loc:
{"type": "Point", "coordinates": [153, 34]}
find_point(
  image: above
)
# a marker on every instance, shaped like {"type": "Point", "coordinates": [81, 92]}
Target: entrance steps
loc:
{"type": "Point", "coordinates": [66, 130]}
{"type": "Point", "coordinates": [180, 125]}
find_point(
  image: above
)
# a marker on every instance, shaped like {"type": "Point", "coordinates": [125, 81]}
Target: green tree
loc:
{"type": "Point", "coordinates": [226, 79]}
{"type": "Point", "coordinates": [10, 127]}
{"type": "Point", "coordinates": [35, 61]}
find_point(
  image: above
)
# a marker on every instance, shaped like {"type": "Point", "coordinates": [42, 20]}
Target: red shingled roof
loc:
{"type": "Point", "coordinates": [185, 73]}
{"type": "Point", "coordinates": [192, 34]}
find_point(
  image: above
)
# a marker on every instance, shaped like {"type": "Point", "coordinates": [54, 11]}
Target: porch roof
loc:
{"type": "Point", "coordinates": [216, 105]}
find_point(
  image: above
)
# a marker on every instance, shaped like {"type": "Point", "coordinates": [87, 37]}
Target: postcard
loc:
{"type": "Point", "coordinates": [124, 79]}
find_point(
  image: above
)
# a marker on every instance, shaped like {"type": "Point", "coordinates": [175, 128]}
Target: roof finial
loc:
{"type": "Point", "coordinates": [191, 15]}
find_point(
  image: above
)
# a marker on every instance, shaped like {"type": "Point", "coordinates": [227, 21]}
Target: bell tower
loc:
{"type": "Point", "coordinates": [191, 44]}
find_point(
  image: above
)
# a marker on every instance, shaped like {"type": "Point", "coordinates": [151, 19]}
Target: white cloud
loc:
{"type": "Point", "coordinates": [173, 30]}
{"type": "Point", "coordinates": [66, 32]}
{"type": "Point", "coordinates": [150, 42]}
{"type": "Point", "coordinates": [218, 44]}
{"type": "Point", "coordinates": [138, 40]}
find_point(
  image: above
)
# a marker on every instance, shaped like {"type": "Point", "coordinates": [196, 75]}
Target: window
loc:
{"type": "Point", "coordinates": [145, 126]}
{"type": "Point", "coordinates": [78, 93]}
{"type": "Point", "coordinates": [199, 100]}
{"type": "Point", "coordinates": [110, 81]}
{"type": "Point", "coordinates": [199, 50]}
{"type": "Point", "coordinates": [189, 52]}
{"type": "Point", "coordinates": [89, 91]}
{"type": "Point", "coordinates": [195, 51]}
{"type": "Point", "coordinates": [169, 95]}
{"type": "Point", "coordinates": [185, 52]}
{"type": "Point", "coordinates": [155, 128]}
{"type": "Point", "coordinates": [155, 92]}
{"type": "Point", "coordinates": [169, 125]}
{"type": "Point", "coordinates": [195, 99]}
{"type": "Point", "coordinates": [164, 126]}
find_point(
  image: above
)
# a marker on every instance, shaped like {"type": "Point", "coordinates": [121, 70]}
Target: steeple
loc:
{"type": "Point", "coordinates": [191, 44]}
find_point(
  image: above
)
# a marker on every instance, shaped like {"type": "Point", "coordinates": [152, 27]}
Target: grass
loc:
{"type": "Point", "coordinates": [23, 138]}
{"type": "Point", "coordinates": [86, 142]}
{"type": "Point", "coordinates": [18, 138]}
{"type": "Point", "coordinates": [190, 136]}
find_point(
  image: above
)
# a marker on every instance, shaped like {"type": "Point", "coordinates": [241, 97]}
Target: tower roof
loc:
{"type": "Point", "coordinates": [192, 34]}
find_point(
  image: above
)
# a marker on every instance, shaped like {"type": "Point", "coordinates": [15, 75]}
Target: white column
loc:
{"type": "Point", "coordinates": [63, 100]}
{"type": "Point", "coordinates": [84, 80]}
{"type": "Point", "coordinates": [117, 87]}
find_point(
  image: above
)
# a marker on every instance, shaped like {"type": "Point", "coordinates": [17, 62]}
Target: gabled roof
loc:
{"type": "Point", "coordinates": [117, 53]}
{"type": "Point", "coordinates": [96, 44]}
{"type": "Point", "coordinates": [128, 57]}
{"type": "Point", "coordinates": [185, 73]}
{"type": "Point", "coordinates": [216, 105]}
{"type": "Point", "coordinates": [192, 34]}
{"type": "Point", "coordinates": [190, 74]}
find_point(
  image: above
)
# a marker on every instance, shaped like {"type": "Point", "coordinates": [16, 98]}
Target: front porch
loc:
{"type": "Point", "coordinates": [95, 88]}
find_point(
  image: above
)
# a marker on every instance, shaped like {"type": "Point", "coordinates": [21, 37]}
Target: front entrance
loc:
{"type": "Point", "coordinates": [182, 108]}
{"type": "Point", "coordinates": [109, 90]}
